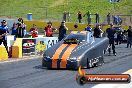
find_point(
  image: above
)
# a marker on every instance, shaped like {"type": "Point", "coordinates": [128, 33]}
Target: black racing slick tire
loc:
{"type": "Point", "coordinates": [81, 80]}
{"type": "Point", "coordinates": [43, 64]}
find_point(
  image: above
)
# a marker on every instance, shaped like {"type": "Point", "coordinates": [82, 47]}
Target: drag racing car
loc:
{"type": "Point", "coordinates": [76, 49]}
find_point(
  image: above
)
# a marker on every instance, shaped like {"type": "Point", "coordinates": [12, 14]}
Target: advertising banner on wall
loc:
{"type": "Point", "coordinates": [28, 46]}
{"type": "Point", "coordinates": [37, 46]}
{"type": "Point", "coordinates": [43, 43]}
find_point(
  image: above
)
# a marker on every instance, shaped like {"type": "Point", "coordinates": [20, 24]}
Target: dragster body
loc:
{"type": "Point", "coordinates": [77, 49]}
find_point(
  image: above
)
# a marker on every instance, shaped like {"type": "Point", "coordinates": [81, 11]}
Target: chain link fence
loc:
{"type": "Point", "coordinates": [126, 19]}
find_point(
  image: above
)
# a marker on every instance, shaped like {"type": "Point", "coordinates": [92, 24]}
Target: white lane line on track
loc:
{"type": "Point", "coordinates": [129, 85]}
{"type": "Point", "coordinates": [20, 59]}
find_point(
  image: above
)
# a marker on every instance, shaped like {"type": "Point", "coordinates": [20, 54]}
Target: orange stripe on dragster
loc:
{"type": "Point", "coordinates": [57, 54]}
{"type": "Point", "coordinates": [66, 55]}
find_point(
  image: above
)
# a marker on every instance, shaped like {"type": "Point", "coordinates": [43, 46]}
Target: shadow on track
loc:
{"type": "Point", "coordinates": [40, 67]}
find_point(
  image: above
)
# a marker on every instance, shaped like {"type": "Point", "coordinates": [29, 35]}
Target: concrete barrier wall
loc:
{"type": "Point", "coordinates": [17, 48]}
{"type": "Point", "coordinates": [81, 27]}
{"type": "Point", "coordinates": [41, 44]}
{"type": "Point", "coordinates": [42, 24]}
{"type": "Point", "coordinates": [3, 53]}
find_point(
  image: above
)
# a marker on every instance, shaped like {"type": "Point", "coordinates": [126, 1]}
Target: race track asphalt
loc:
{"type": "Point", "coordinates": [30, 74]}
